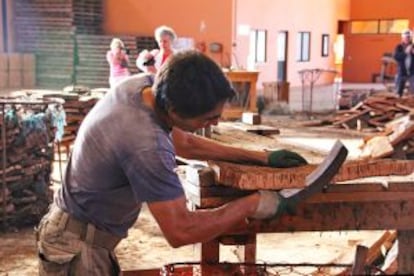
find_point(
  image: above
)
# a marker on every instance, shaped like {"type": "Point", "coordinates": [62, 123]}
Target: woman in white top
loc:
{"type": "Point", "coordinates": [151, 61]}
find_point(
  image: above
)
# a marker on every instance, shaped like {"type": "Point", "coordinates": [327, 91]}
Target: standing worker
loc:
{"type": "Point", "coordinates": [125, 155]}
{"type": "Point", "coordinates": [118, 62]}
{"type": "Point", "coordinates": [151, 61]}
{"type": "Point", "coordinates": [403, 54]}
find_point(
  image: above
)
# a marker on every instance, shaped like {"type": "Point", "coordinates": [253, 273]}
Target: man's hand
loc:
{"type": "Point", "coordinates": [285, 159]}
{"type": "Point", "coordinates": [268, 204]}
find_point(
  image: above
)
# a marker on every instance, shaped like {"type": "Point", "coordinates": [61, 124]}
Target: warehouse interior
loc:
{"type": "Point", "coordinates": [314, 77]}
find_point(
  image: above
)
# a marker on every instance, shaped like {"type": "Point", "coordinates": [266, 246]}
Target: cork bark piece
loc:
{"type": "Point", "coordinates": [250, 177]}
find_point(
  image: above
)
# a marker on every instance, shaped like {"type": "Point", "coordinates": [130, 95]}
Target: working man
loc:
{"type": "Point", "coordinates": [404, 55]}
{"type": "Point", "coordinates": [124, 155]}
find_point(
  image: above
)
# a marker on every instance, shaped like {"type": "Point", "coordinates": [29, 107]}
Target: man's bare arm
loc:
{"type": "Point", "coordinates": [181, 226]}
{"type": "Point", "coordinates": [193, 146]}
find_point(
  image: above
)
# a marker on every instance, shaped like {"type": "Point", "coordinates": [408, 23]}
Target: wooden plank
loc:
{"type": "Point", "coordinates": [341, 216]}
{"type": "Point", "coordinates": [358, 268]}
{"type": "Point", "coordinates": [405, 252]}
{"type": "Point", "coordinates": [383, 196]}
{"type": "Point", "coordinates": [385, 242]}
{"type": "Point", "coordinates": [257, 128]}
{"type": "Point", "coordinates": [200, 175]}
{"type": "Point", "coordinates": [351, 121]}
{"type": "Point", "coordinates": [377, 147]}
{"type": "Point", "coordinates": [210, 254]}
{"type": "Point", "coordinates": [214, 190]}
{"type": "Point", "coordinates": [327, 198]}
{"type": "Point", "coordinates": [141, 272]}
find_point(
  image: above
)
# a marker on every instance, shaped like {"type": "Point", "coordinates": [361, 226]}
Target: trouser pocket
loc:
{"type": "Point", "coordinates": [56, 265]}
{"type": "Point", "coordinates": [57, 250]}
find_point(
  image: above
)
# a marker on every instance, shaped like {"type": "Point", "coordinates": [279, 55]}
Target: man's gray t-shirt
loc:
{"type": "Point", "coordinates": [122, 156]}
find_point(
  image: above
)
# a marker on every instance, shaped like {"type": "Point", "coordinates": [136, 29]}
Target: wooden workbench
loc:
{"type": "Point", "coordinates": [357, 206]}
{"type": "Point", "coordinates": [246, 77]}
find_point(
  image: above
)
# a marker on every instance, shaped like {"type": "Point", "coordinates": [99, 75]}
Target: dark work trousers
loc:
{"type": "Point", "coordinates": [401, 81]}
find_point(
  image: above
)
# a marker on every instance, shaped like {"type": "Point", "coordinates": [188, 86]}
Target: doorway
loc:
{"type": "Point", "coordinates": [282, 53]}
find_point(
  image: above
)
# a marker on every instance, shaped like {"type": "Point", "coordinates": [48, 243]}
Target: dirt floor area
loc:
{"type": "Point", "coordinates": [145, 246]}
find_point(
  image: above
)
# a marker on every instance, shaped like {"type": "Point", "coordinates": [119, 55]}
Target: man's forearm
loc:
{"type": "Point", "coordinates": [196, 147]}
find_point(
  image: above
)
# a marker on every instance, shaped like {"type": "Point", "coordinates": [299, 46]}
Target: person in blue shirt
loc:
{"type": "Point", "coordinates": [124, 155]}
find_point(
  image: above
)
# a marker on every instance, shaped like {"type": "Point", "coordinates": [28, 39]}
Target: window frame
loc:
{"type": "Point", "coordinates": [258, 40]}
{"type": "Point", "coordinates": [303, 47]}
{"type": "Point", "coordinates": [325, 45]}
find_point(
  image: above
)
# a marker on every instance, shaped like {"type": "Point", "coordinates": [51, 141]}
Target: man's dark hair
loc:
{"type": "Point", "coordinates": [192, 84]}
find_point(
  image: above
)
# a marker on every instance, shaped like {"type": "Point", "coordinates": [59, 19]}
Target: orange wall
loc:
{"type": "Point", "coordinates": [208, 21]}
{"type": "Point", "coordinates": [372, 9]}
{"type": "Point", "coordinates": [221, 19]}
{"type": "Point", "coordinates": [363, 52]}
{"type": "Point", "coordinates": [316, 16]}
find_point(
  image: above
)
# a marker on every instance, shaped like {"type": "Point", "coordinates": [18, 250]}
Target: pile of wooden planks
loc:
{"type": "Point", "coordinates": [66, 37]}
{"type": "Point", "coordinates": [392, 119]}
{"type": "Point", "coordinates": [25, 174]}
{"type": "Point", "coordinates": [349, 98]}
{"type": "Point", "coordinates": [77, 105]}
{"type": "Point", "coordinates": [47, 28]}
{"type": "Point", "coordinates": [92, 69]}
{"type": "Point", "coordinates": [17, 70]}
{"type": "Point", "coordinates": [374, 112]}
{"type": "Point", "coordinates": [396, 140]}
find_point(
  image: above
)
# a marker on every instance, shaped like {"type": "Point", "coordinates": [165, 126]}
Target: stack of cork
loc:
{"type": "Point", "coordinates": [4, 67]}
{"type": "Point", "coordinates": [28, 70]}
{"type": "Point", "coordinates": [17, 70]}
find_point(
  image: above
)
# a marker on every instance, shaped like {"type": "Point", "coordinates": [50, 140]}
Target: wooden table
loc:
{"type": "Point", "coordinates": [357, 206]}
{"type": "Point", "coordinates": [249, 77]}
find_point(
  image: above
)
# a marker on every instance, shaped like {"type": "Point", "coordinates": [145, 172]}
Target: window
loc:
{"type": "Point", "coordinates": [303, 46]}
{"type": "Point", "coordinates": [388, 26]}
{"type": "Point", "coordinates": [393, 26]}
{"type": "Point", "coordinates": [364, 27]}
{"type": "Point", "coordinates": [325, 45]}
{"type": "Point", "coordinates": [258, 40]}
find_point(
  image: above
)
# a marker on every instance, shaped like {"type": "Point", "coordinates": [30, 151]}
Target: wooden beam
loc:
{"type": "Point", "coordinates": [405, 257]}
{"type": "Point", "coordinates": [340, 216]}
{"type": "Point", "coordinates": [361, 254]}
{"type": "Point", "coordinates": [210, 254]}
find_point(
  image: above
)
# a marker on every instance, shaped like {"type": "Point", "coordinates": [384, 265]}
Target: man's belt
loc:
{"type": "Point", "coordinates": [87, 232]}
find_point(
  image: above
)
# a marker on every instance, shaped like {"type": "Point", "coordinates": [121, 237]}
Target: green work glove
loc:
{"type": "Point", "coordinates": [285, 159]}
{"type": "Point", "coordinates": [272, 205]}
